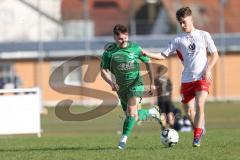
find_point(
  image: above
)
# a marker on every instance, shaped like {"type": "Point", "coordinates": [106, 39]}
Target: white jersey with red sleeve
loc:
{"type": "Point", "coordinates": [192, 50]}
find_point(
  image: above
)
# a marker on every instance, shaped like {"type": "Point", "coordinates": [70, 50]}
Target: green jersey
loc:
{"type": "Point", "coordinates": [124, 64]}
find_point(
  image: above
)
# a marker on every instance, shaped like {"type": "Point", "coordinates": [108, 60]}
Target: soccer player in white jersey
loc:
{"type": "Point", "coordinates": [192, 46]}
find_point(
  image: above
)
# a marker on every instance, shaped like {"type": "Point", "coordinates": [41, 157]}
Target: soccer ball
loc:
{"type": "Point", "coordinates": [169, 137]}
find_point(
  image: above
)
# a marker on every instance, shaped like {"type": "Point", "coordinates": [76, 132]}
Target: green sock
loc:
{"type": "Point", "coordinates": [128, 125]}
{"type": "Point", "coordinates": [143, 114]}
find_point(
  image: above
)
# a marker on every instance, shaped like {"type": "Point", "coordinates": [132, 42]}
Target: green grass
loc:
{"type": "Point", "coordinates": [97, 139]}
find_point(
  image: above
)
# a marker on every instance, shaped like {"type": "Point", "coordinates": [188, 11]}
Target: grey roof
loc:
{"type": "Point", "coordinates": [95, 46]}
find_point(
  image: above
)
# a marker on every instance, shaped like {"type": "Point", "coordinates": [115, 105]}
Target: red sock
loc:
{"type": "Point", "coordinates": [197, 133]}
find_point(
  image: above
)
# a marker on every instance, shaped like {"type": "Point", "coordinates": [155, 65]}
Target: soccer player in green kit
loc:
{"type": "Point", "coordinates": [121, 59]}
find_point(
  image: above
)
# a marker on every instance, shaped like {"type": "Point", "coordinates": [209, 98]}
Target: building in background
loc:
{"type": "Point", "coordinates": [146, 16]}
{"type": "Point", "coordinates": [85, 21]}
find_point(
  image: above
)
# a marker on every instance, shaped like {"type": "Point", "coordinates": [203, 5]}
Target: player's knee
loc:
{"type": "Point", "coordinates": [171, 116]}
{"type": "Point", "coordinates": [190, 111]}
{"type": "Point", "coordinates": [200, 107]}
{"type": "Point", "coordinates": [132, 111]}
{"type": "Point", "coordinates": [189, 114]}
{"type": "Point", "coordinates": [200, 110]}
{"type": "Point", "coordinates": [200, 102]}
{"type": "Point", "coordinates": [163, 117]}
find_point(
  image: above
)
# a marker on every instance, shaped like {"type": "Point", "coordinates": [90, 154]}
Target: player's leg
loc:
{"type": "Point", "coordinates": [139, 121]}
{"type": "Point", "coordinates": [163, 116]}
{"type": "Point", "coordinates": [201, 92]}
{"type": "Point", "coordinates": [170, 115]}
{"type": "Point", "coordinates": [123, 139]}
{"type": "Point", "coordinates": [188, 101]}
{"type": "Point", "coordinates": [164, 120]}
{"type": "Point", "coordinates": [143, 114]}
{"type": "Point", "coordinates": [131, 117]}
{"type": "Point", "coordinates": [153, 112]}
{"type": "Point", "coordinates": [201, 97]}
{"type": "Point", "coordinates": [171, 119]}
{"type": "Point", "coordinates": [189, 109]}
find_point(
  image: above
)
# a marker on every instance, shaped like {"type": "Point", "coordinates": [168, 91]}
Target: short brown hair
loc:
{"type": "Point", "coordinates": [183, 12]}
{"type": "Point", "coordinates": [119, 28]}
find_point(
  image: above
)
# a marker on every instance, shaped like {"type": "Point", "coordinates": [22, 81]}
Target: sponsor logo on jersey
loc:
{"type": "Point", "coordinates": [131, 55]}
{"type": "Point", "coordinates": [126, 66]}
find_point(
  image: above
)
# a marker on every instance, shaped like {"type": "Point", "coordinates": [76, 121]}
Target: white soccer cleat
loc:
{"type": "Point", "coordinates": [154, 112]}
{"type": "Point", "coordinates": [122, 142]}
{"type": "Point", "coordinates": [122, 145]}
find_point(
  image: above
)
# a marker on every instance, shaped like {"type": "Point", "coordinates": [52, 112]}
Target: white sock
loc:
{"type": "Point", "coordinates": [124, 138]}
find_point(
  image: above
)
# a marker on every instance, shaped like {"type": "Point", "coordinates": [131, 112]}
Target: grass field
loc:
{"type": "Point", "coordinates": [98, 138]}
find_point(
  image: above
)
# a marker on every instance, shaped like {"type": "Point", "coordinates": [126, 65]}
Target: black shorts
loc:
{"type": "Point", "coordinates": [166, 106]}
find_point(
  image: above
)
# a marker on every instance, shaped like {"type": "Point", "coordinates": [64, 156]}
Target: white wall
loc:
{"type": "Point", "coordinates": [18, 22]}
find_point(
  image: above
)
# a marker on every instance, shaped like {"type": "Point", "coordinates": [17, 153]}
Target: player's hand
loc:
{"type": "Point", "coordinates": [145, 53]}
{"type": "Point", "coordinates": [208, 76]}
{"type": "Point", "coordinates": [152, 90]}
{"type": "Point", "coordinates": [115, 87]}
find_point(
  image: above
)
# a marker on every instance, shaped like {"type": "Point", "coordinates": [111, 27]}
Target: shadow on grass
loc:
{"type": "Point", "coordinates": [78, 149]}
{"type": "Point", "coordinates": [149, 148]}
{"type": "Point", "coordinates": [59, 149]}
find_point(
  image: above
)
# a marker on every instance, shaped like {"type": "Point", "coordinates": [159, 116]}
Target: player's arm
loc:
{"type": "Point", "coordinates": [147, 61]}
{"type": "Point", "coordinates": [151, 76]}
{"type": "Point", "coordinates": [105, 72]}
{"type": "Point", "coordinates": [213, 59]}
{"type": "Point", "coordinates": [172, 46]}
{"type": "Point", "coordinates": [214, 56]}
{"type": "Point", "coordinates": [106, 75]}
{"type": "Point", "coordinates": [158, 56]}
{"type": "Point", "coordinates": [150, 71]}
{"type": "Point", "coordinates": [171, 49]}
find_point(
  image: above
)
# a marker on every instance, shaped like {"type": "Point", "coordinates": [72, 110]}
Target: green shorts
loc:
{"type": "Point", "coordinates": [125, 94]}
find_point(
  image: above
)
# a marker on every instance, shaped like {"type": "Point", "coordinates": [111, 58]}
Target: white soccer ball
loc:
{"type": "Point", "coordinates": [169, 137]}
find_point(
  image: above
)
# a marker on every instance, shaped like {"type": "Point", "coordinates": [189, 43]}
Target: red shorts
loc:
{"type": "Point", "coordinates": [189, 89]}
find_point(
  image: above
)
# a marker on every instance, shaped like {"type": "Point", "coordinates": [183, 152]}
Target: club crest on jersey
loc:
{"type": "Point", "coordinates": [191, 48]}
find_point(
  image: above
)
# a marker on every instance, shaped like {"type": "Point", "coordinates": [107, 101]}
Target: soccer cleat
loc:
{"type": "Point", "coordinates": [154, 112]}
{"type": "Point", "coordinates": [121, 145]}
{"type": "Point", "coordinates": [196, 142]}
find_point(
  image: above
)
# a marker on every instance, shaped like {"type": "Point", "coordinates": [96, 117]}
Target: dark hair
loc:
{"type": "Point", "coordinates": [119, 28]}
{"type": "Point", "coordinates": [183, 12]}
